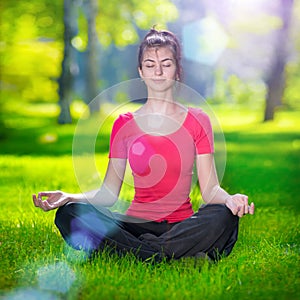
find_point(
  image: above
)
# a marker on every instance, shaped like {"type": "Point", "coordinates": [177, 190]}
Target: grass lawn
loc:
{"type": "Point", "coordinates": [262, 161]}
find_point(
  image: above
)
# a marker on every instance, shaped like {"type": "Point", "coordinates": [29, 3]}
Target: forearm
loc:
{"type": "Point", "coordinates": [109, 192]}
{"type": "Point", "coordinates": [107, 195]}
{"type": "Point", "coordinates": [99, 197]}
{"type": "Point", "coordinates": [237, 203]}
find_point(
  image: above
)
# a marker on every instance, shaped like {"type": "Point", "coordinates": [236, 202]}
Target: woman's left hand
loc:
{"type": "Point", "coordinates": [239, 205]}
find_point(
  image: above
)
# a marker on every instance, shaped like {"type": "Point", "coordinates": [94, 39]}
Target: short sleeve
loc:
{"type": "Point", "coordinates": [117, 145]}
{"type": "Point", "coordinates": [202, 132]}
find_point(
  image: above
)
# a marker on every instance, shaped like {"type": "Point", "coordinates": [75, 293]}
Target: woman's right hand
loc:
{"type": "Point", "coordinates": [54, 199]}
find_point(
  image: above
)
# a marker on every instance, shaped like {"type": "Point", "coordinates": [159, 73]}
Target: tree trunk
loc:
{"type": "Point", "coordinates": [66, 79]}
{"type": "Point", "coordinates": [276, 79]}
{"type": "Point", "coordinates": [92, 55]}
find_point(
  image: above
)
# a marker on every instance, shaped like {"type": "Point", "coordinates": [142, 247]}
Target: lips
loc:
{"type": "Point", "coordinates": [158, 80]}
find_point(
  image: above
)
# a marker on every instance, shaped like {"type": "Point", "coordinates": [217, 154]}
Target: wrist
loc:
{"type": "Point", "coordinates": [228, 199]}
{"type": "Point", "coordinates": [71, 197]}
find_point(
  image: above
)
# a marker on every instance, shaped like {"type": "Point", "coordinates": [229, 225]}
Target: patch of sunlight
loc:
{"type": "Point", "coordinates": [296, 144]}
{"type": "Point", "coordinates": [79, 43]}
{"type": "Point", "coordinates": [49, 109]}
{"type": "Point", "coordinates": [48, 138]}
{"type": "Point", "coordinates": [33, 109]}
{"type": "Point", "coordinates": [268, 163]}
{"type": "Point", "coordinates": [79, 109]}
{"type": "Point", "coordinates": [244, 119]}
{"type": "Point", "coordinates": [129, 35]}
{"type": "Point", "coordinates": [234, 121]}
{"type": "Point", "coordinates": [283, 122]}
{"type": "Point", "coordinates": [286, 123]}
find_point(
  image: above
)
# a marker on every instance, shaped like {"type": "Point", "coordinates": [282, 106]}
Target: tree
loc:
{"type": "Point", "coordinates": [114, 22]}
{"type": "Point", "coordinates": [91, 8]}
{"type": "Point", "coordinates": [276, 80]}
{"type": "Point", "coordinates": [66, 79]}
{"type": "Point", "coordinates": [30, 51]}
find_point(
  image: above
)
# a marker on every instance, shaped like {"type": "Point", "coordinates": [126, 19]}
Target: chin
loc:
{"type": "Point", "coordinates": [160, 85]}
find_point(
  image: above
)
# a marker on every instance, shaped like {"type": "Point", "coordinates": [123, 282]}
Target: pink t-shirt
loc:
{"type": "Point", "coordinates": [162, 165]}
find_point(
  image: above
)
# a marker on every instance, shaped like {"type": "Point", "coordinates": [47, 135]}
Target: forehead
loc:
{"type": "Point", "coordinates": [157, 53]}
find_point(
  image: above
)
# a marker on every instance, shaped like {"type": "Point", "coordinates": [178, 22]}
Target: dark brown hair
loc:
{"type": "Point", "coordinates": [162, 38]}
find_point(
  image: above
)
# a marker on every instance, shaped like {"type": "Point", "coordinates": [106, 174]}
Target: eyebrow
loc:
{"type": "Point", "coordinates": [152, 60]}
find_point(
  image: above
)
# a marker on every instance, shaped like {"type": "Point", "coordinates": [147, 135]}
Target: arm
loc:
{"type": "Point", "coordinates": [106, 195]}
{"type": "Point", "coordinates": [211, 191]}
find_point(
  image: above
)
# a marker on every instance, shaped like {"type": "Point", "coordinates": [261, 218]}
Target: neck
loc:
{"type": "Point", "coordinates": [160, 106]}
{"type": "Point", "coordinates": [161, 102]}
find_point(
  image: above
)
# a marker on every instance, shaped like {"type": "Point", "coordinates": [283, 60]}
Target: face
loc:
{"type": "Point", "coordinates": [158, 68]}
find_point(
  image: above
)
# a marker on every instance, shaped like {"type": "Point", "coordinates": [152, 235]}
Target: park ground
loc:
{"type": "Point", "coordinates": [262, 161]}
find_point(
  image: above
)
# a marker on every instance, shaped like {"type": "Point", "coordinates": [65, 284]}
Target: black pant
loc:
{"type": "Point", "coordinates": [212, 230]}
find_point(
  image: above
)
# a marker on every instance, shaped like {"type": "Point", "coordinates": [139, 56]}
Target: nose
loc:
{"type": "Point", "coordinates": [158, 70]}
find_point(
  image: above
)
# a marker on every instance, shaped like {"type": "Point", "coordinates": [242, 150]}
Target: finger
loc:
{"type": "Point", "coordinates": [39, 202]}
{"type": "Point", "coordinates": [252, 208]}
{"type": "Point", "coordinates": [234, 209]}
{"type": "Point", "coordinates": [241, 211]}
{"type": "Point", "coordinates": [35, 200]}
{"type": "Point", "coordinates": [44, 194]}
{"type": "Point", "coordinates": [45, 205]}
{"type": "Point", "coordinates": [246, 206]}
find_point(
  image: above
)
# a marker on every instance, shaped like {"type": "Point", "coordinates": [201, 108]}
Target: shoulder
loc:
{"type": "Point", "coordinates": [201, 129]}
{"type": "Point", "coordinates": [120, 122]}
{"type": "Point", "coordinates": [123, 119]}
{"type": "Point", "coordinates": [199, 116]}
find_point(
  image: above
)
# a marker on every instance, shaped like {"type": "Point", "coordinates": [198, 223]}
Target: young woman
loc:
{"type": "Point", "coordinates": [161, 140]}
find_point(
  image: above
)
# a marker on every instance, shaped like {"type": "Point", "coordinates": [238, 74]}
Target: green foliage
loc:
{"type": "Point", "coordinates": [31, 45]}
{"type": "Point", "coordinates": [117, 20]}
{"type": "Point", "coordinates": [21, 20]}
{"type": "Point", "coordinates": [236, 91]}
{"type": "Point", "coordinates": [80, 42]}
{"type": "Point", "coordinates": [262, 162]}
{"type": "Point", "coordinates": [291, 94]}
{"type": "Point", "coordinates": [31, 49]}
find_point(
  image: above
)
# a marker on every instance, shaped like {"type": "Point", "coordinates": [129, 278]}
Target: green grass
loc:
{"type": "Point", "coordinates": [262, 161]}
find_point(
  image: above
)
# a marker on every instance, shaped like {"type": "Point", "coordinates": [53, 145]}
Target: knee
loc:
{"type": "Point", "coordinates": [226, 218]}
{"type": "Point", "coordinates": [222, 216]}
{"type": "Point", "coordinates": [65, 214]}
{"type": "Point", "coordinates": [61, 214]}
{"type": "Point", "coordinates": [79, 226]}
{"type": "Point", "coordinates": [227, 214]}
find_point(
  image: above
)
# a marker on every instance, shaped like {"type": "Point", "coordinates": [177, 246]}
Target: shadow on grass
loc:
{"type": "Point", "coordinates": [46, 138]}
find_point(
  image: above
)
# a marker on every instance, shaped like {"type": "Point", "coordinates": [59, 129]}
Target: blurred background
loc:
{"type": "Point", "coordinates": [235, 52]}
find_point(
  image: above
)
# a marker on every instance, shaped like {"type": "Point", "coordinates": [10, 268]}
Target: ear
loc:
{"type": "Point", "coordinates": [141, 73]}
